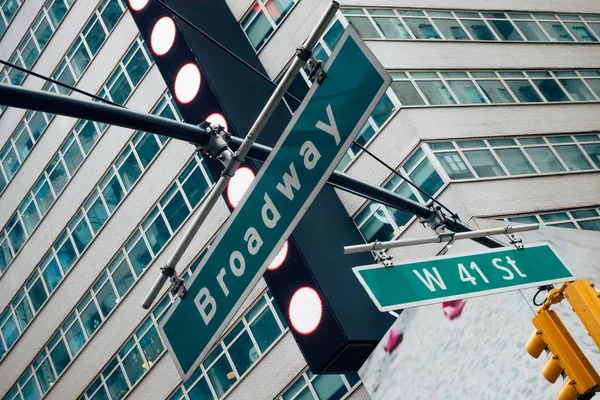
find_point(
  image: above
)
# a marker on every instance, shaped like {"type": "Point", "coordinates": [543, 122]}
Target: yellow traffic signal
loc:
{"type": "Point", "coordinates": [565, 355]}
{"type": "Point", "coordinates": [585, 301]}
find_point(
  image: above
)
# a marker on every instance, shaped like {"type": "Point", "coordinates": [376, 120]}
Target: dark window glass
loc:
{"type": "Point", "coordinates": [243, 353]}
{"type": "Point", "coordinates": [384, 109]}
{"type": "Point", "coordinates": [113, 193]}
{"type": "Point", "coordinates": [495, 91]}
{"type": "Point", "coordinates": [133, 365]}
{"type": "Point", "coordinates": [531, 31]}
{"type": "Point", "coordinates": [556, 31]}
{"type": "Point", "coordinates": [551, 90]}
{"type": "Point", "coordinates": [67, 255]}
{"type": "Point", "coordinates": [57, 12]}
{"type": "Point", "coordinates": [91, 318]}
{"type": "Point", "coordinates": [265, 329]}
{"type": "Point", "coordinates": [123, 277]}
{"type": "Point", "coordinates": [176, 211]}
{"type": "Point", "coordinates": [259, 30]}
{"type": "Point", "coordinates": [140, 257]}
{"type": "Point", "coordinates": [147, 149]}
{"type": "Point", "coordinates": [329, 387]}
{"type": "Point", "coordinates": [130, 171]}
{"type": "Point", "coordinates": [505, 30]}
{"type": "Point", "coordinates": [364, 27]}
{"type": "Point", "coordinates": [37, 294]}
{"type": "Point", "coordinates": [195, 187]}
{"type": "Point", "coordinates": [117, 385]}
{"type": "Point", "coordinates": [221, 376]}
{"type": "Point", "coordinates": [436, 92]}
{"type": "Point", "coordinates": [24, 313]}
{"type": "Point", "coordinates": [392, 28]}
{"type": "Point", "coordinates": [451, 29]}
{"type": "Point", "coordinates": [111, 14]}
{"type": "Point", "coordinates": [407, 94]}
{"type": "Point", "coordinates": [466, 92]}
{"type": "Point", "coordinates": [427, 178]}
{"type": "Point", "coordinates": [75, 338]}
{"type": "Point", "coordinates": [544, 159]}
{"type": "Point", "coordinates": [106, 299]}
{"type": "Point", "coordinates": [10, 331]}
{"type": "Point", "coordinates": [524, 91]}
{"type": "Point", "coordinates": [484, 163]}
{"type": "Point", "coordinates": [82, 235]}
{"type": "Point", "coordinates": [577, 90]}
{"type": "Point", "coordinates": [515, 161]}
{"type": "Point", "coordinates": [60, 357]}
{"type": "Point", "coordinates": [158, 234]}
{"type": "Point", "coordinates": [478, 29]}
{"type": "Point", "coordinates": [421, 28]}
{"type": "Point", "coordinates": [200, 391]}
{"type": "Point", "coordinates": [97, 215]}
{"type": "Point", "coordinates": [52, 275]}
{"type": "Point", "coordinates": [593, 150]}
{"type": "Point", "coordinates": [151, 345]}
{"type": "Point", "coordinates": [573, 157]}
{"type": "Point", "coordinates": [137, 67]}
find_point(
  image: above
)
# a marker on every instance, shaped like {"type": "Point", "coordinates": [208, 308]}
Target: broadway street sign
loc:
{"type": "Point", "coordinates": [440, 279]}
{"type": "Point", "coordinates": [312, 145]}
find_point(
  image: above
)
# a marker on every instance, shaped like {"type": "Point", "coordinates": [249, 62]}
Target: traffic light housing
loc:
{"type": "Point", "coordinates": [331, 317]}
{"type": "Point", "coordinates": [585, 301]}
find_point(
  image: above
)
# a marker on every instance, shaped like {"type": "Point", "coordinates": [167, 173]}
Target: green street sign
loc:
{"type": "Point", "coordinates": [439, 279]}
{"type": "Point", "coordinates": [320, 132]}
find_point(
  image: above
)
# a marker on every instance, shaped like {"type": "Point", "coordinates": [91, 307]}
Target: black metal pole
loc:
{"type": "Point", "coordinates": [16, 96]}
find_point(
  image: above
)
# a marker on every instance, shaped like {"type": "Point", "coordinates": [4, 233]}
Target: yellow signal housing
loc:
{"type": "Point", "coordinates": [585, 301]}
{"type": "Point", "coordinates": [565, 355]}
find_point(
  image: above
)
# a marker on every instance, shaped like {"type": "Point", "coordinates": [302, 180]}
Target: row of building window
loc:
{"type": "Point", "coordinates": [419, 88]}
{"type": "Point", "coordinates": [8, 10]}
{"type": "Point", "coordinates": [263, 17]}
{"type": "Point", "coordinates": [588, 219]}
{"type": "Point", "coordinates": [143, 246]}
{"type": "Point", "coordinates": [100, 204]}
{"type": "Point", "coordinates": [67, 160]}
{"type": "Point", "coordinates": [469, 159]}
{"type": "Point", "coordinates": [436, 163]}
{"type": "Point", "coordinates": [79, 56]}
{"type": "Point", "coordinates": [309, 386]}
{"type": "Point", "coordinates": [98, 207]}
{"type": "Point", "coordinates": [411, 24]}
{"type": "Point", "coordinates": [35, 39]}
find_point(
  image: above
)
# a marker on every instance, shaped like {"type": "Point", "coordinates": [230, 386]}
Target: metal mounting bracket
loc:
{"type": "Point", "coordinates": [317, 73]}
{"type": "Point", "coordinates": [518, 243]}
{"type": "Point", "coordinates": [381, 256]}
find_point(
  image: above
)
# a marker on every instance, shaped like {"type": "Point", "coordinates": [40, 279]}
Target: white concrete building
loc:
{"type": "Point", "coordinates": [494, 110]}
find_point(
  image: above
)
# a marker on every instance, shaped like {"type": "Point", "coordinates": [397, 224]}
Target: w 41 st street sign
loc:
{"type": "Point", "coordinates": [322, 129]}
{"type": "Point", "coordinates": [455, 277]}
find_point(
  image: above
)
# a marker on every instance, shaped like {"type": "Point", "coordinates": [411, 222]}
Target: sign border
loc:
{"type": "Point", "coordinates": [350, 32]}
{"type": "Point", "coordinates": [419, 303]}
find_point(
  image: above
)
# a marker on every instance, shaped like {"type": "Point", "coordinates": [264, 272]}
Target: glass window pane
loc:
{"type": "Point", "coordinates": [454, 165]}
{"type": "Point", "coordinates": [221, 376]}
{"type": "Point", "coordinates": [73, 157]}
{"type": "Point", "coordinates": [24, 143]}
{"type": "Point", "coordinates": [10, 331]}
{"type": "Point", "coordinates": [31, 218]}
{"type": "Point", "coordinates": [556, 31]}
{"type": "Point", "coordinates": [113, 193]}
{"type": "Point", "coordinates": [333, 35]}
{"type": "Point", "coordinates": [58, 177]}
{"type": "Point", "coordinates": [123, 277]}
{"type": "Point", "coordinates": [378, 226]}
{"type": "Point", "coordinates": [581, 32]}
{"type": "Point", "coordinates": [52, 275]}
{"type": "Point", "coordinates": [97, 215]}
{"type": "Point", "coordinates": [544, 159]}
{"type": "Point", "coordinates": [60, 357]}
{"type": "Point", "coordinates": [364, 27]}
{"type": "Point", "coordinates": [91, 318]}
{"type": "Point", "coordinates": [24, 314]}
{"type": "Point", "coordinates": [10, 162]}
{"type": "Point", "coordinates": [158, 234]}
{"type": "Point", "coordinates": [30, 391]}
{"type": "Point", "coordinates": [451, 29]}
{"type": "Point", "coordinates": [94, 37]}
{"type": "Point", "coordinates": [117, 385]}
{"type": "Point", "coordinates": [392, 28]}
{"type": "Point", "coordinates": [551, 90]}
{"type": "Point", "coordinates": [151, 345]}
{"type": "Point", "coordinates": [484, 163]}
{"type": "Point", "coordinates": [44, 197]}
{"type": "Point", "coordinates": [593, 150]}
{"type": "Point", "coordinates": [278, 9]}
{"type": "Point", "coordinates": [75, 338]}
{"type": "Point", "coordinates": [137, 67]}
{"type": "Point", "coordinates": [478, 29]}
{"type": "Point", "coordinates": [133, 365]}
{"type": "Point", "coordinates": [593, 225]}
{"type": "Point", "coordinates": [200, 391]}
{"type": "Point", "coordinates": [120, 89]}
{"type": "Point", "coordinates": [595, 85]}
{"type": "Point", "coordinates": [82, 235]}
{"type": "Point", "coordinates": [67, 255]}
{"type": "Point", "coordinates": [57, 12]}
{"type": "Point", "coordinates": [407, 94]}
{"type": "Point", "coordinates": [147, 149]}
{"type": "Point", "coordinates": [384, 109]}
{"type": "Point", "coordinates": [505, 30]}
{"type": "Point", "coordinates": [524, 220]}
{"type": "Point", "coordinates": [524, 91]}
{"type": "Point", "coordinates": [421, 28]}
{"type": "Point", "coordinates": [265, 329]}
{"type": "Point", "coordinates": [573, 157]}
{"type": "Point", "coordinates": [584, 214]}
{"type": "Point", "coordinates": [111, 14]}
{"type": "Point", "coordinates": [107, 299]}
{"type": "Point", "coordinates": [515, 161]}
{"type": "Point", "coordinates": [17, 235]}
{"type": "Point", "coordinates": [37, 294]}
{"type": "Point", "coordinates": [427, 178]}
{"type": "Point", "coordinates": [176, 211]}
{"type": "Point", "coordinates": [554, 217]}
{"type": "Point", "coordinates": [495, 91]}
{"type": "Point", "coordinates": [466, 92]}
{"type": "Point", "coordinates": [259, 30]}
{"type": "Point", "coordinates": [329, 387]}
{"type": "Point", "coordinates": [80, 58]}
{"type": "Point", "coordinates": [243, 353]}
{"type": "Point", "coordinates": [88, 135]}
{"type": "Point", "coordinates": [436, 92]}
{"type": "Point", "coordinates": [45, 375]}
{"type": "Point", "coordinates": [532, 31]}
{"type": "Point", "coordinates": [140, 257]}
{"type": "Point", "coordinates": [577, 90]}
{"type": "Point", "coordinates": [130, 171]}
{"type": "Point", "coordinates": [401, 217]}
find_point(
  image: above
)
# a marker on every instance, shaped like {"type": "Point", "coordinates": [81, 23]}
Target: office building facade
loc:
{"type": "Point", "coordinates": [494, 110]}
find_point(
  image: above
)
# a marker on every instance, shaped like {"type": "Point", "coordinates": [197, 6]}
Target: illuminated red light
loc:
{"type": "Point", "coordinates": [163, 36]}
{"type": "Point", "coordinates": [239, 183]}
{"type": "Point", "coordinates": [137, 5]}
{"type": "Point", "coordinates": [279, 258]}
{"type": "Point", "coordinates": [306, 310]}
{"type": "Point", "coordinates": [187, 83]}
{"type": "Point", "coordinates": [217, 119]}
